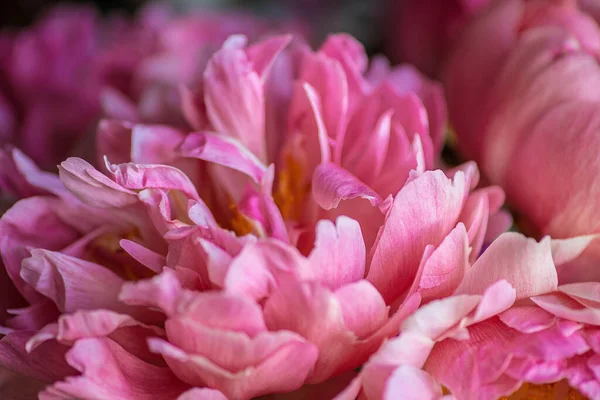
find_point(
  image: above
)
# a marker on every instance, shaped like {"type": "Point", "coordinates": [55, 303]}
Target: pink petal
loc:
{"type": "Point", "coordinates": [281, 371]}
{"type": "Point", "coordinates": [338, 257]}
{"type": "Point", "coordinates": [332, 184]}
{"type": "Point", "coordinates": [565, 307]}
{"type": "Point", "coordinates": [117, 106]}
{"type": "Point", "coordinates": [527, 319]}
{"type": "Point", "coordinates": [70, 282]}
{"type": "Point", "coordinates": [223, 151]}
{"type": "Point", "coordinates": [445, 268]}
{"type": "Point", "coordinates": [202, 394]}
{"type": "Point", "coordinates": [262, 211]}
{"type": "Point", "coordinates": [91, 187]}
{"type": "Point", "coordinates": [526, 264]}
{"type": "Point", "coordinates": [327, 78]}
{"type": "Point", "coordinates": [162, 291]}
{"type": "Point", "coordinates": [565, 250]}
{"type": "Point", "coordinates": [31, 223]}
{"type": "Point", "coordinates": [423, 212]}
{"type": "Point", "coordinates": [262, 55]}
{"type": "Point", "coordinates": [108, 371]}
{"type": "Point", "coordinates": [83, 324]}
{"type": "Point", "coordinates": [261, 267]}
{"type": "Point", "coordinates": [193, 108]}
{"type": "Point", "coordinates": [352, 57]}
{"type": "Point", "coordinates": [363, 317]}
{"type": "Point", "coordinates": [234, 99]}
{"type": "Point", "coordinates": [221, 311]}
{"type": "Point", "coordinates": [153, 144]}
{"type": "Point", "coordinates": [46, 363]}
{"type": "Point", "coordinates": [434, 319]}
{"type": "Point", "coordinates": [315, 313]}
{"type": "Point", "coordinates": [143, 255]}
{"type": "Point", "coordinates": [413, 383]}
{"type": "Point", "coordinates": [587, 293]}
{"type": "Point", "coordinates": [144, 176]}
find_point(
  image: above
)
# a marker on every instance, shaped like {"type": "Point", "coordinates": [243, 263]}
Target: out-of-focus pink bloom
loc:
{"type": "Point", "coordinates": [532, 93]}
{"type": "Point", "coordinates": [55, 75]}
{"type": "Point", "coordinates": [422, 32]}
{"type": "Point", "coordinates": [48, 91]}
{"type": "Point", "coordinates": [508, 325]}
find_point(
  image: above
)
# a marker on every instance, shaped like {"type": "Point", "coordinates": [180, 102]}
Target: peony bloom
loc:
{"type": "Point", "coordinates": [57, 75]}
{"type": "Point", "coordinates": [509, 328]}
{"type": "Point", "coordinates": [231, 261]}
{"type": "Point", "coordinates": [520, 83]}
{"type": "Point", "coordinates": [422, 32]}
{"type": "Point", "coordinates": [48, 91]}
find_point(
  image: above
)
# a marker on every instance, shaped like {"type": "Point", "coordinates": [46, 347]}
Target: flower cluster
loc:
{"type": "Point", "coordinates": [267, 220]}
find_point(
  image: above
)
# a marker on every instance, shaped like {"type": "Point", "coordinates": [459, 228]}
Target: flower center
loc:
{"type": "Point", "coordinates": [106, 250]}
{"type": "Point", "coordinates": [291, 189]}
{"type": "Point", "coordinates": [239, 223]}
{"type": "Point", "coordinates": [551, 391]}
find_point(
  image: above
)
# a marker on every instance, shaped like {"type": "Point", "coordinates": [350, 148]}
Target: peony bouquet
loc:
{"type": "Point", "coordinates": [256, 217]}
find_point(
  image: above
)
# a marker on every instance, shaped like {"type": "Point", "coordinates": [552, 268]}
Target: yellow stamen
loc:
{"type": "Point", "coordinates": [291, 189]}
{"type": "Point", "coordinates": [552, 391]}
{"type": "Point", "coordinates": [110, 243]}
{"type": "Point", "coordinates": [240, 224]}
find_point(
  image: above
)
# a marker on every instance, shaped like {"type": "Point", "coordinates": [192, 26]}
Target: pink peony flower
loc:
{"type": "Point", "coordinates": [48, 91]}
{"type": "Point", "coordinates": [509, 327]}
{"type": "Point", "coordinates": [506, 106]}
{"type": "Point", "coordinates": [197, 271]}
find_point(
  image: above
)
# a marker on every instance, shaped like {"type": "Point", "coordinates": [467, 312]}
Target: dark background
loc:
{"type": "Point", "coordinates": [362, 18]}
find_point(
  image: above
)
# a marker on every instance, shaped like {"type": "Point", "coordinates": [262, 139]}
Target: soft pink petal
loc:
{"type": "Point", "coordinates": [117, 106]}
{"type": "Point", "coordinates": [263, 54]}
{"type": "Point", "coordinates": [565, 250]}
{"type": "Point", "coordinates": [423, 212]}
{"type": "Point", "coordinates": [445, 268]}
{"type": "Point", "coordinates": [587, 293]}
{"type": "Point", "coordinates": [260, 209]}
{"type": "Point", "coordinates": [413, 383]}
{"type": "Point", "coordinates": [527, 319]}
{"type": "Point", "coordinates": [338, 257]}
{"type": "Point", "coordinates": [45, 363]}
{"type": "Point", "coordinates": [283, 370]}
{"type": "Point", "coordinates": [352, 57]}
{"type": "Point", "coordinates": [261, 267]}
{"type": "Point", "coordinates": [327, 78]}
{"type": "Point", "coordinates": [234, 99]}
{"type": "Point", "coordinates": [363, 317]}
{"type": "Point", "coordinates": [70, 282]}
{"type": "Point", "coordinates": [91, 187]}
{"type": "Point", "coordinates": [143, 255]}
{"type": "Point", "coordinates": [153, 144]}
{"type": "Point", "coordinates": [434, 319]}
{"type": "Point", "coordinates": [202, 394]}
{"type": "Point", "coordinates": [332, 184]}
{"type": "Point", "coordinates": [162, 291]}
{"type": "Point", "coordinates": [155, 176]}
{"type": "Point", "coordinates": [565, 307]}
{"type": "Point", "coordinates": [31, 223]}
{"type": "Point", "coordinates": [223, 151]}
{"type": "Point", "coordinates": [108, 371]}
{"type": "Point", "coordinates": [83, 324]}
{"type": "Point", "coordinates": [526, 264]}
